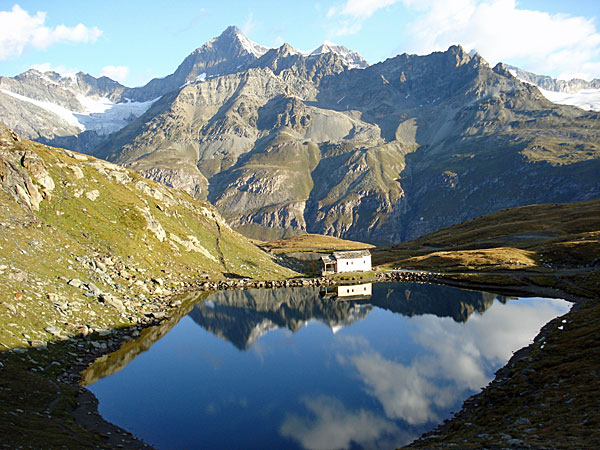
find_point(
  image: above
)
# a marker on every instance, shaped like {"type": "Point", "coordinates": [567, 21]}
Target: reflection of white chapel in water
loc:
{"type": "Point", "coordinates": [349, 261]}
{"type": "Point", "coordinates": [348, 292]}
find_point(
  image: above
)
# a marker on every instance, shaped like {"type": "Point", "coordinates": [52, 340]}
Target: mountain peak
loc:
{"type": "Point", "coordinates": [286, 50]}
{"type": "Point", "coordinates": [234, 33]}
{"type": "Point", "coordinates": [352, 58]}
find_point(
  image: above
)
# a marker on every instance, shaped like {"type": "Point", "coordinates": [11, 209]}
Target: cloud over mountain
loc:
{"type": "Point", "coordinates": [19, 30]}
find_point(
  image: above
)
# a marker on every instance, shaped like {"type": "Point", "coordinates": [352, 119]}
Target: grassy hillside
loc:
{"type": "Point", "coordinates": [87, 244]}
{"type": "Point", "coordinates": [550, 245]}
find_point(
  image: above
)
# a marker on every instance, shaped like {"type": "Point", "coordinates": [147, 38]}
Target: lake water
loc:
{"type": "Point", "coordinates": [304, 368]}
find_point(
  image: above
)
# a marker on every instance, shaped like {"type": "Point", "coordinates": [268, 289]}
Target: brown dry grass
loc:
{"type": "Point", "coordinates": [536, 239]}
{"type": "Point", "coordinates": [313, 243]}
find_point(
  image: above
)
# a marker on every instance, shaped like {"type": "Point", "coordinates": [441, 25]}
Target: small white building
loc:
{"type": "Point", "coordinates": [349, 261]}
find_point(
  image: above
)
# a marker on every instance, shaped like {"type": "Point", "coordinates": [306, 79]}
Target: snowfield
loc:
{"type": "Point", "coordinates": [588, 99]}
{"type": "Point", "coordinates": [100, 114]}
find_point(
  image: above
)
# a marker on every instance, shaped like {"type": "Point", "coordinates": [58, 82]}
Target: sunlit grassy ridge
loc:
{"type": "Point", "coordinates": [313, 243]}
{"type": "Point", "coordinates": [536, 237]}
{"type": "Point", "coordinates": [104, 225]}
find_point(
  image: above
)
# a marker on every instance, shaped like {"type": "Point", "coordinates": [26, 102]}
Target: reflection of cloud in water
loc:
{"type": "Point", "coordinates": [458, 358]}
{"type": "Point", "coordinates": [402, 390]}
{"type": "Point", "coordinates": [332, 426]}
{"type": "Point", "coordinates": [461, 352]}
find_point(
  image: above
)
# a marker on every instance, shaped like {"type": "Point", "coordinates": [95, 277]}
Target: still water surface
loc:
{"type": "Point", "coordinates": [300, 368]}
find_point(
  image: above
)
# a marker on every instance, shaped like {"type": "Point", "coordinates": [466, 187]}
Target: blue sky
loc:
{"type": "Point", "coordinates": [133, 41]}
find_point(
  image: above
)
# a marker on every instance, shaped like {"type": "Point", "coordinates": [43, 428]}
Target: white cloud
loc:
{"type": "Point", "coordinates": [404, 392]}
{"type": "Point", "coordinates": [556, 44]}
{"type": "Point", "coordinates": [333, 426]}
{"type": "Point", "coordinates": [117, 73]}
{"type": "Point", "coordinates": [501, 31]}
{"type": "Point", "coordinates": [364, 8]}
{"type": "Point", "coordinates": [347, 27]}
{"type": "Point", "coordinates": [350, 16]}
{"type": "Point", "coordinates": [20, 30]}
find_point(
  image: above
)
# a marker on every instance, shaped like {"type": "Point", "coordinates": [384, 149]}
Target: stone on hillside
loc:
{"type": "Point", "coordinates": [148, 190]}
{"type": "Point", "coordinates": [29, 195]}
{"type": "Point", "coordinates": [77, 156]}
{"type": "Point", "coordinates": [77, 172]}
{"type": "Point", "coordinates": [111, 300]}
{"type": "Point", "coordinates": [142, 286]}
{"type": "Point", "coordinates": [32, 162]}
{"type": "Point", "coordinates": [120, 176]}
{"type": "Point", "coordinates": [18, 275]}
{"type": "Point", "coordinates": [100, 266]}
{"type": "Point", "coordinates": [92, 195]}
{"type": "Point", "coordinates": [10, 307]}
{"type": "Point", "coordinates": [104, 166]}
{"type": "Point", "coordinates": [152, 224]}
{"type": "Point", "coordinates": [192, 245]}
{"type": "Point", "coordinates": [95, 290]}
{"type": "Point", "coordinates": [75, 283]}
{"type": "Point", "coordinates": [54, 331]}
{"type": "Point", "coordinates": [124, 274]}
{"type": "Point", "coordinates": [38, 344]}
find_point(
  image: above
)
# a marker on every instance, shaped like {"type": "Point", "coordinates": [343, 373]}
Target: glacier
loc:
{"type": "Point", "coordinates": [100, 114]}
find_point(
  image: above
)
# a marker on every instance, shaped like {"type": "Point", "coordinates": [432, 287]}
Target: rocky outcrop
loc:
{"type": "Point", "coordinates": [14, 176]}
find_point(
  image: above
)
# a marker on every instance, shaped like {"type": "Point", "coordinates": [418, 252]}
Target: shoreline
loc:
{"type": "Point", "coordinates": [172, 309]}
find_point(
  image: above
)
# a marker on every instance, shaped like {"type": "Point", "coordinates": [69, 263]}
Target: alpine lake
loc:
{"type": "Point", "coordinates": [367, 366]}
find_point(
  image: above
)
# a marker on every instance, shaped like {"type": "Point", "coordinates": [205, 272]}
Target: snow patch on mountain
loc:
{"type": "Point", "coordinates": [100, 114]}
{"type": "Point", "coordinates": [63, 113]}
{"type": "Point", "coordinates": [249, 45]}
{"type": "Point", "coordinates": [574, 92]}
{"type": "Point", "coordinates": [588, 99]}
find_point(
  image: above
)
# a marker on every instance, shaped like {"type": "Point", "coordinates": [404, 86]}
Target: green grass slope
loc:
{"type": "Point", "coordinates": [86, 244]}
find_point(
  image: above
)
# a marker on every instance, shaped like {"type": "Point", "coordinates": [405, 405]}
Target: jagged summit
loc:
{"type": "Point", "coordinates": [352, 57]}
{"type": "Point", "coordinates": [233, 36]}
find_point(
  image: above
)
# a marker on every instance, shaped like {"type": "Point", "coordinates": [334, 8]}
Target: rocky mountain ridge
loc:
{"type": "Point", "coordinates": [79, 111]}
{"type": "Point", "coordinates": [553, 84]}
{"type": "Point", "coordinates": [283, 142]}
{"type": "Point", "coordinates": [401, 148]}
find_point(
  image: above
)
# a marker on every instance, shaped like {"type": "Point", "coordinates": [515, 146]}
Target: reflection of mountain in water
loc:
{"type": "Point", "coordinates": [412, 299]}
{"type": "Point", "coordinates": [241, 317]}
{"type": "Point", "coordinates": [111, 363]}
